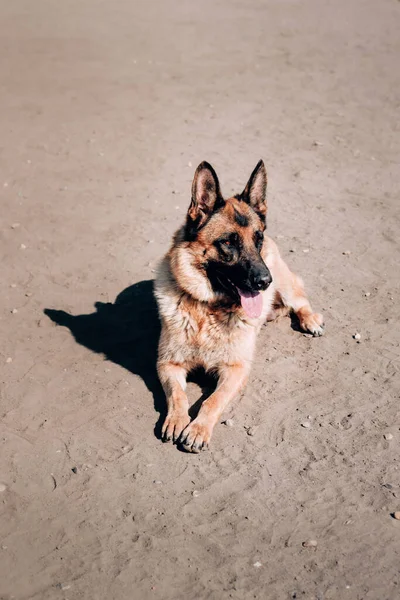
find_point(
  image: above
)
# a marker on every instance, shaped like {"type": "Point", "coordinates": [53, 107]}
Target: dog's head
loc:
{"type": "Point", "coordinates": [226, 237]}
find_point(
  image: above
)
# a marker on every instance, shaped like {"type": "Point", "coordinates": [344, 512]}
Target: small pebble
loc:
{"type": "Point", "coordinates": [13, 285]}
{"type": "Point", "coordinates": [15, 225]}
{"type": "Point", "coordinates": [257, 564]}
{"type": "Point", "coordinates": [251, 431]}
{"type": "Point", "coordinates": [23, 247]}
{"type": "Point", "coordinates": [388, 436]}
{"type": "Point", "coordinates": [305, 250]}
{"type": "Point", "coordinates": [317, 143]}
{"type": "Point", "coordinates": [9, 360]}
{"type": "Point", "coordinates": [357, 337]}
{"type": "Point", "coordinates": [229, 423]}
{"type": "Point", "coordinates": [189, 164]}
{"type": "Point", "coordinates": [397, 515]}
{"type": "Point", "coordinates": [74, 470]}
{"type": "Point", "coordinates": [158, 482]}
{"type": "Point", "coordinates": [28, 294]}
{"type": "Point", "coordinates": [195, 494]}
{"type": "Point", "coordinates": [367, 294]}
{"type": "Point", "coordinates": [14, 311]}
{"type": "Point", "coordinates": [3, 487]}
{"type": "Point", "coordinates": [346, 253]}
{"type": "Point", "coordinates": [310, 544]}
{"type": "Point", "coordinates": [306, 424]}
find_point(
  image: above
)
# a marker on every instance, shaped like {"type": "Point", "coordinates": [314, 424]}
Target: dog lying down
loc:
{"type": "Point", "coordinates": [220, 281]}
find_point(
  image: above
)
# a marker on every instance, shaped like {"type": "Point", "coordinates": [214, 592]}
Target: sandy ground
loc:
{"type": "Point", "coordinates": [106, 109]}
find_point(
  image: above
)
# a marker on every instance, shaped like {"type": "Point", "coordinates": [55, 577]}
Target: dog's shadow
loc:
{"type": "Point", "coordinates": [127, 333]}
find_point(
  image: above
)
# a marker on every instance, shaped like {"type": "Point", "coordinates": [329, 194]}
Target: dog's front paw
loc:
{"type": "Point", "coordinates": [196, 436]}
{"type": "Point", "coordinates": [313, 323]}
{"type": "Point", "coordinates": [173, 426]}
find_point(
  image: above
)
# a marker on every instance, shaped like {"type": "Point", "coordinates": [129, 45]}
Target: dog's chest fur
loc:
{"type": "Point", "coordinates": [195, 334]}
{"type": "Point", "coordinates": [203, 334]}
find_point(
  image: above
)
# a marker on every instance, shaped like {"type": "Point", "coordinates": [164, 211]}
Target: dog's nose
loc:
{"type": "Point", "coordinates": [262, 280]}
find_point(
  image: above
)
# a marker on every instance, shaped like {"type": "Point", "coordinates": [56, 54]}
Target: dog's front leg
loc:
{"type": "Point", "coordinates": [291, 290]}
{"type": "Point", "coordinates": [197, 435]}
{"type": "Point", "coordinates": [294, 297]}
{"type": "Point", "coordinates": [173, 380]}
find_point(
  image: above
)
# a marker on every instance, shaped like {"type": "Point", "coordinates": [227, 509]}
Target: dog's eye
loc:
{"type": "Point", "coordinates": [230, 240]}
{"type": "Point", "coordinates": [259, 237]}
{"type": "Point", "coordinates": [228, 243]}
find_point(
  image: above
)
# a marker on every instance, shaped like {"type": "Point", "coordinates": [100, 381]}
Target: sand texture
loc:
{"type": "Point", "coordinates": [106, 109]}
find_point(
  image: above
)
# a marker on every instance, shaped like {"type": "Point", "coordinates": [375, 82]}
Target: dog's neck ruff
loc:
{"type": "Point", "coordinates": [189, 276]}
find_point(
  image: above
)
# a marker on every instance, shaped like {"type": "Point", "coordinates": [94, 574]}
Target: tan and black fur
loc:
{"type": "Point", "coordinates": [220, 250]}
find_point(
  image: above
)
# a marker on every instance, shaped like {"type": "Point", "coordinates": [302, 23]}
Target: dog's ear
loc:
{"type": "Point", "coordinates": [206, 195]}
{"type": "Point", "coordinates": [255, 191]}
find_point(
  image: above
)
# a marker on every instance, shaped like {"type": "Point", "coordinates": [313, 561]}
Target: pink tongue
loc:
{"type": "Point", "coordinates": [251, 302]}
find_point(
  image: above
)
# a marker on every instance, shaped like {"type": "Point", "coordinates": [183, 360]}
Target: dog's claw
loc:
{"type": "Point", "coordinates": [320, 331]}
{"type": "Point", "coordinates": [196, 437]}
{"type": "Point", "coordinates": [314, 324]}
{"type": "Point", "coordinates": [173, 426]}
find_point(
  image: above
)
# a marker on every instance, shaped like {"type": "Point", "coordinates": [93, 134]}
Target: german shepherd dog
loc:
{"type": "Point", "coordinates": [220, 281]}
